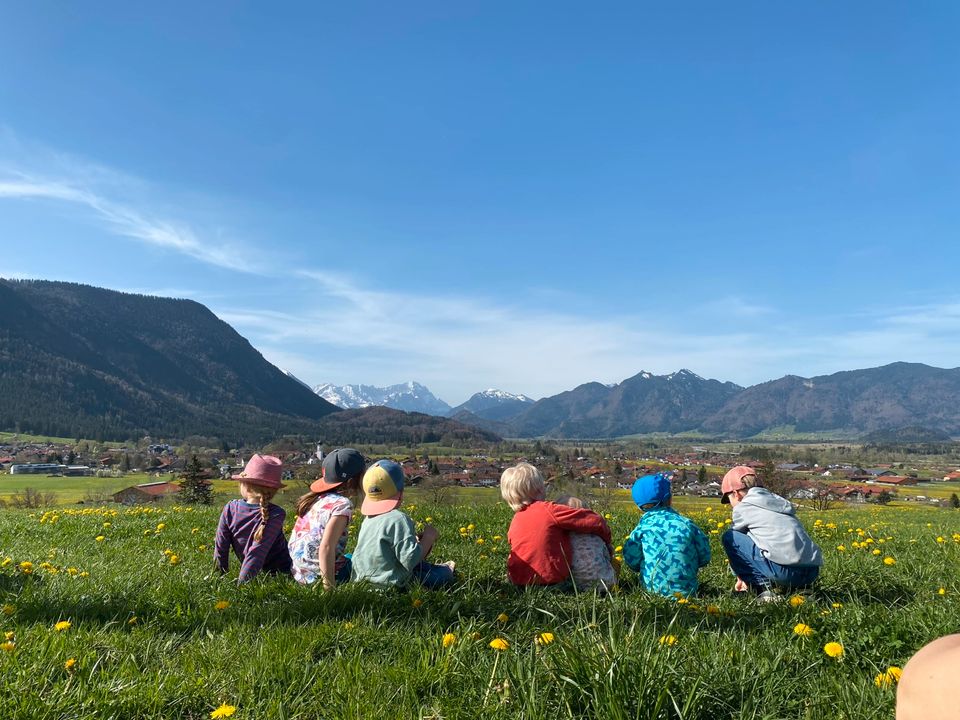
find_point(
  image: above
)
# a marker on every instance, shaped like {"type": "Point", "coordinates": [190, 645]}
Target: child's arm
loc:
{"type": "Point", "coordinates": [427, 539]}
{"type": "Point", "coordinates": [580, 520]}
{"type": "Point", "coordinates": [633, 551]}
{"type": "Point", "coordinates": [258, 551]}
{"type": "Point", "coordinates": [328, 549]}
{"type": "Point", "coordinates": [221, 551]}
{"type": "Point", "coordinates": [702, 545]}
{"type": "Point", "coordinates": [407, 548]}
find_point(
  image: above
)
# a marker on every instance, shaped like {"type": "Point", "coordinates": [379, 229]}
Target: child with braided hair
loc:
{"type": "Point", "coordinates": [253, 526]}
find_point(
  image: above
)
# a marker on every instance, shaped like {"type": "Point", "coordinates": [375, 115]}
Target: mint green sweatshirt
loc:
{"type": "Point", "coordinates": [387, 550]}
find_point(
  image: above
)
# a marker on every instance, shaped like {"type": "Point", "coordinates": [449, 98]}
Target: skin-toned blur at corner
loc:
{"type": "Point", "coordinates": [927, 688]}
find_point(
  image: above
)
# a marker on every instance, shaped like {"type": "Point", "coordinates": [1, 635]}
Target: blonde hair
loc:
{"type": "Point", "coordinates": [571, 501]}
{"type": "Point", "coordinates": [522, 485]}
{"type": "Point", "coordinates": [263, 495]}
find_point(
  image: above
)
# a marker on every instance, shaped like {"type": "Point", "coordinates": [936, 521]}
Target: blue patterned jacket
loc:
{"type": "Point", "coordinates": [667, 549]}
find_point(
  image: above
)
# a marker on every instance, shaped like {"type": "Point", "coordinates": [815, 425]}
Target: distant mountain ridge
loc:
{"type": "Point", "coordinates": [409, 397]}
{"type": "Point", "coordinates": [641, 404]}
{"type": "Point", "coordinates": [493, 404]}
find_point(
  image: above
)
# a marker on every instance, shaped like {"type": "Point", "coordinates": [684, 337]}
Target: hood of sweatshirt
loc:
{"type": "Point", "coordinates": [763, 498]}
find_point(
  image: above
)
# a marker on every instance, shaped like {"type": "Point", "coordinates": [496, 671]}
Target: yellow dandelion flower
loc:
{"type": "Point", "coordinates": [223, 711]}
{"type": "Point", "coordinates": [428, 519]}
{"type": "Point", "coordinates": [133, 620]}
{"type": "Point", "coordinates": [888, 678]}
{"type": "Point", "coordinates": [668, 640]}
{"type": "Point", "coordinates": [796, 601]}
{"type": "Point", "coordinates": [942, 591]}
{"type": "Point", "coordinates": [499, 644]}
{"type": "Point", "coordinates": [417, 602]}
{"type": "Point", "coordinates": [502, 617]}
{"type": "Point", "coordinates": [449, 639]}
{"type": "Point", "coordinates": [475, 635]}
{"type": "Point", "coordinates": [837, 605]}
{"type": "Point", "coordinates": [480, 541]}
{"type": "Point", "coordinates": [544, 638]}
{"type": "Point", "coordinates": [470, 527]}
{"type": "Point", "coordinates": [876, 551]}
{"type": "Point", "coordinates": [841, 548]}
{"type": "Point", "coordinates": [161, 526]}
{"type": "Point", "coordinates": [9, 635]}
{"type": "Point", "coordinates": [940, 539]}
{"type": "Point", "coordinates": [802, 630]}
{"type": "Point", "coordinates": [713, 610]}
{"type": "Point", "coordinates": [26, 567]}
{"type": "Point", "coordinates": [889, 561]}
{"type": "Point", "coordinates": [618, 549]}
{"type": "Point", "coordinates": [833, 649]}
{"type": "Point", "coordinates": [70, 664]}
{"type": "Point", "coordinates": [108, 524]}
{"type": "Point", "coordinates": [682, 601]}
{"type": "Point", "coordinates": [174, 559]}
{"type": "Point", "coordinates": [8, 646]}
{"type": "Point", "coordinates": [100, 538]}
{"type": "Point", "coordinates": [63, 626]}
{"type": "Point", "coordinates": [221, 605]}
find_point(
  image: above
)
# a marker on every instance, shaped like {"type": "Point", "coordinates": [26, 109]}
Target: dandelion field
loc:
{"type": "Point", "coordinates": [118, 613]}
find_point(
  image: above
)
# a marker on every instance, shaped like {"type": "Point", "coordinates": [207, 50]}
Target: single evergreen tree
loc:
{"type": "Point", "coordinates": [954, 501]}
{"type": "Point", "coordinates": [702, 475]}
{"type": "Point", "coordinates": [194, 489]}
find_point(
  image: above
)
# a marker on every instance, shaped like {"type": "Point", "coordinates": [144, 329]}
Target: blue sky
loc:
{"type": "Point", "coordinates": [517, 195]}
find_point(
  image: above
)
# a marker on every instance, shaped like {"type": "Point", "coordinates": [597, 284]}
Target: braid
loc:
{"type": "Point", "coordinates": [264, 516]}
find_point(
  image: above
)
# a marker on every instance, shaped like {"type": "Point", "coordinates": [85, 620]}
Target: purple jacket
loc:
{"type": "Point", "coordinates": [238, 521]}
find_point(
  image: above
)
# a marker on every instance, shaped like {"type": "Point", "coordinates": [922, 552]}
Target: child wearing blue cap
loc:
{"type": "Point", "coordinates": [389, 552]}
{"type": "Point", "coordinates": [665, 548]}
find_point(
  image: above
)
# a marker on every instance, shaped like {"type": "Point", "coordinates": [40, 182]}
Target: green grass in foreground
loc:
{"type": "Point", "coordinates": [148, 641]}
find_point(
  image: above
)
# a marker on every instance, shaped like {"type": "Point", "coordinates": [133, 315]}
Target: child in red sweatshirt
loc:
{"type": "Point", "coordinates": [539, 535]}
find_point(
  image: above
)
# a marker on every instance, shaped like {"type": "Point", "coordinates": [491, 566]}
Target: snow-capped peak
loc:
{"type": "Point", "coordinates": [493, 393]}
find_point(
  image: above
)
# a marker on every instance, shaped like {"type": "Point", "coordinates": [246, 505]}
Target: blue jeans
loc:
{"type": "Point", "coordinates": [755, 570]}
{"type": "Point", "coordinates": [433, 576]}
{"type": "Point", "coordinates": [343, 574]}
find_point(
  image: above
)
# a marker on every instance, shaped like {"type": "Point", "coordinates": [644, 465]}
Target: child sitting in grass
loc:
{"type": "Point", "coordinates": [540, 549]}
{"type": "Point", "coordinates": [592, 566]}
{"type": "Point", "coordinates": [253, 526]}
{"type": "Point", "coordinates": [389, 552]}
{"type": "Point", "coordinates": [319, 536]}
{"type": "Point", "coordinates": [665, 548]}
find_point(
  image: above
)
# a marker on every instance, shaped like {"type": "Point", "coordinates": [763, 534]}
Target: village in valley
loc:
{"type": "Point", "coordinates": [154, 470]}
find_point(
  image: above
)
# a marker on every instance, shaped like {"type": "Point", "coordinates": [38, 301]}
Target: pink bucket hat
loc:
{"type": "Point", "coordinates": [733, 480]}
{"type": "Point", "coordinates": [262, 470]}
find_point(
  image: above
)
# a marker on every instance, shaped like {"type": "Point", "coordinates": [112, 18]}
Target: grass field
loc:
{"type": "Point", "coordinates": [154, 632]}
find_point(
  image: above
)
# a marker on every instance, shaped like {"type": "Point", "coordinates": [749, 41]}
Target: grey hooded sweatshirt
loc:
{"type": "Point", "coordinates": [772, 524]}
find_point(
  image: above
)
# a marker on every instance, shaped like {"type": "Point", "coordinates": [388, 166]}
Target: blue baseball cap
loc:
{"type": "Point", "coordinates": [651, 489]}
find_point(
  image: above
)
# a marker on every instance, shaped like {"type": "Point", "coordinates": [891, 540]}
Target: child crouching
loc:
{"type": "Point", "coordinates": [388, 550]}
{"type": "Point", "coordinates": [539, 534]}
{"type": "Point", "coordinates": [665, 548]}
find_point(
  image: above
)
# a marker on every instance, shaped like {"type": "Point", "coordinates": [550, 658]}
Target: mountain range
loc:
{"type": "Point", "coordinates": [80, 361]}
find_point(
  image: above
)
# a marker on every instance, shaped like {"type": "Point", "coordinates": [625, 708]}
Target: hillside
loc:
{"type": "Point", "coordinates": [375, 425]}
{"type": "Point", "coordinates": [83, 361]}
{"type": "Point", "coordinates": [644, 403]}
{"type": "Point", "coordinates": [863, 401]}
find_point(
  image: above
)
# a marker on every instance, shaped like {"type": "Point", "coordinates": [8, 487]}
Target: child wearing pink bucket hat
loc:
{"type": "Point", "coordinates": [253, 526]}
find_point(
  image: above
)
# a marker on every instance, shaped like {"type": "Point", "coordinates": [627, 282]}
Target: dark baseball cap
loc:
{"type": "Point", "coordinates": [338, 467]}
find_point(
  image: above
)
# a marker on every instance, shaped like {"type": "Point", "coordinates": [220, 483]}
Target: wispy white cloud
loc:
{"type": "Point", "coordinates": [123, 219]}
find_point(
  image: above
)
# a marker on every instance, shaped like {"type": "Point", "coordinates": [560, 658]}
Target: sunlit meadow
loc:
{"type": "Point", "coordinates": [117, 613]}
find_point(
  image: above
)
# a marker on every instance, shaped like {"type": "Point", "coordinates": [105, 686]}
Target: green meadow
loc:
{"type": "Point", "coordinates": [148, 629]}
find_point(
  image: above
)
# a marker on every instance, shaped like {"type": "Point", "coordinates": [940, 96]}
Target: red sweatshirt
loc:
{"type": "Point", "coordinates": [540, 551]}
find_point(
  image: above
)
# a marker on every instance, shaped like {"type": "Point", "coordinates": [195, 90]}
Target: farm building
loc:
{"type": "Point", "coordinates": [36, 469]}
{"type": "Point", "coordinates": [148, 492]}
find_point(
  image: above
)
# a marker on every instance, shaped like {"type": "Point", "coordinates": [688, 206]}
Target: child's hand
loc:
{"type": "Point", "coordinates": [741, 586]}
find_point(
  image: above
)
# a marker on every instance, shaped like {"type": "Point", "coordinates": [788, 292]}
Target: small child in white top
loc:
{"type": "Point", "coordinates": [591, 566]}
